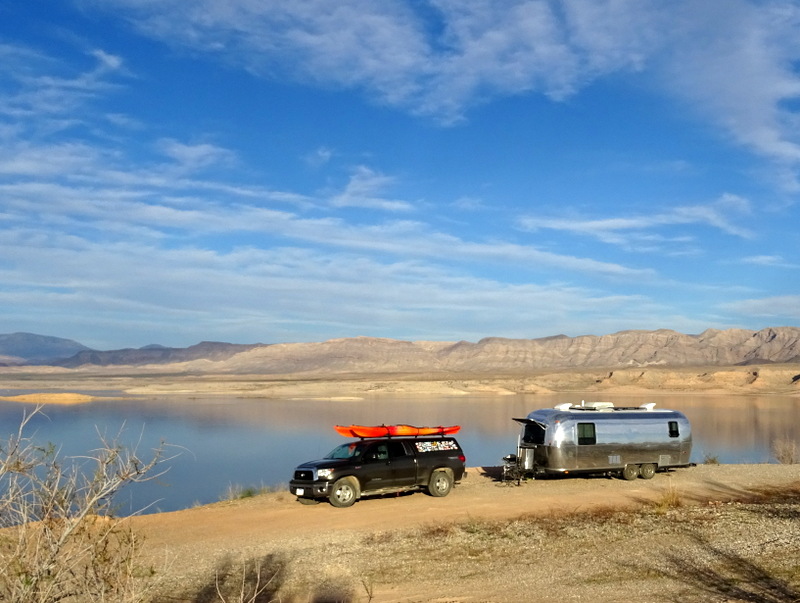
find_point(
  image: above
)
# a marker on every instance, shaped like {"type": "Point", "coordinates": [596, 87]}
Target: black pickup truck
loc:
{"type": "Point", "coordinates": [380, 466]}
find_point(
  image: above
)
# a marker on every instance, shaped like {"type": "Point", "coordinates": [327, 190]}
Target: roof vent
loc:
{"type": "Point", "coordinates": [648, 406]}
{"type": "Point", "coordinates": [598, 405]}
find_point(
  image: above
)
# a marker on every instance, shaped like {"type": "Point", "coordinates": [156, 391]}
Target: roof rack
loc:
{"type": "Point", "coordinates": [603, 406]}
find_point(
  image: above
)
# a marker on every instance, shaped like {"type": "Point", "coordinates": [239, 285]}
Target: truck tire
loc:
{"type": "Point", "coordinates": [345, 492]}
{"type": "Point", "coordinates": [630, 472]}
{"type": "Point", "coordinates": [647, 471]}
{"type": "Point", "coordinates": [441, 483]}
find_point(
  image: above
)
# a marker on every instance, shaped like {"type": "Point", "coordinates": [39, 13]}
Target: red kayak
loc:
{"type": "Point", "coordinates": [377, 431]}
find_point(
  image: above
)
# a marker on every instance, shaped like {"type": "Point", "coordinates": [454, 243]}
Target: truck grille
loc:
{"type": "Point", "coordinates": [304, 474]}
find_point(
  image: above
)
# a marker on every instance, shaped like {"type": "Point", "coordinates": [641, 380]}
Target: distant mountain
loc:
{"type": "Point", "coordinates": [494, 355]}
{"type": "Point", "coordinates": [28, 348]}
{"type": "Point", "coordinates": [155, 354]}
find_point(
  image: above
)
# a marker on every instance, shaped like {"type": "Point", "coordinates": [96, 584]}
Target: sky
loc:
{"type": "Point", "coordinates": [263, 171]}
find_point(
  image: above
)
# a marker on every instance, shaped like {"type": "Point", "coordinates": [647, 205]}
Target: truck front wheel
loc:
{"type": "Point", "coordinates": [441, 483]}
{"type": "Point", "coordinates": [344, 493]}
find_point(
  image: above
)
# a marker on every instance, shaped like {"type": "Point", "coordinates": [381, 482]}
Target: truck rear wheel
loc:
{"type": "Point", "coordinates": [344, 493]}
{"type": "Point", "coordinates": [441, 483]}
{"type": "Point", "coordinates": [647, 471]}
{"type": "Point", "coordinates": [630, 472]}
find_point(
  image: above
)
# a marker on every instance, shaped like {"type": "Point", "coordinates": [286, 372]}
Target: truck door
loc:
{"type": "Point", "coordinates": [376, 469]}
{"type": "Point", "coordinates": [403, 464]}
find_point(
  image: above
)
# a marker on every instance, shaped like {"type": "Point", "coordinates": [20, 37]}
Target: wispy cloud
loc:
{"type": "Point", "coordinates": [770, 261]}
{"type": "Point", "coordinates": [781, 307]}
{"type": "Point", "coordinates": [87, 224]}
{"type": "Point", "coordinates": [364, 190]}
{"type": "Point", "coordinates": [41, 87]}
{"type": "Point", "coordinates": [643, 231]}
{"type": "Point", "coordinates": [732, 61]}
{"type": "Point", "coordinates": [735, 62]}
{"type": "Point", "coordinates": [319, 157]}
{"type": "Point", "coordinates": [191, 157]}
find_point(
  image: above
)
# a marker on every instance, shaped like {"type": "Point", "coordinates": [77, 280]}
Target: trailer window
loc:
{"type": "Point", "coordinates": [586, 434]}
{"type": "Point", "coordinates": [673, 429]}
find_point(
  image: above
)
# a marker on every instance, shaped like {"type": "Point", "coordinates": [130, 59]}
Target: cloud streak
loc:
{"type": "Point", "coordinates": [632, 232]}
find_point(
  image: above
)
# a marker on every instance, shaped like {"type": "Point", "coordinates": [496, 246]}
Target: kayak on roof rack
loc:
{"type": "Point", "coordinates": [378, 431]}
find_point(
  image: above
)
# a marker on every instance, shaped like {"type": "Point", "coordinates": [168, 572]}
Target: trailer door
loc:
{"type": "Point", "coordinates": [587, 447]}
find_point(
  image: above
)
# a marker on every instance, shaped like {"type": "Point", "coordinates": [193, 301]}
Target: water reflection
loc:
{"type": "Point", "coordinates": [259, 441]}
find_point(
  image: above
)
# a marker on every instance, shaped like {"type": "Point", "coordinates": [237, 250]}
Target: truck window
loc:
{"type": "Point", "coordinates": [347, 451]}
{"type": "Point", "coordinates": [378, 452]}
{"type": "Point", "coordinates": [397, 449]}
{"type": "Point", "coordinates": [673, 429]}
{"type": "Point", "coordinates": [586, 434]}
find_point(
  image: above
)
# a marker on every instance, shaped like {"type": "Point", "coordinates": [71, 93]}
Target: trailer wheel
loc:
{"type": "Point", "coordinates": [630, 472]}
{"type": "Point", "coordinates": [647, 471]}
{"type": "Point", "coordinates": [344, 492]}
{"type": "Point", "coordinates": [441, 483]}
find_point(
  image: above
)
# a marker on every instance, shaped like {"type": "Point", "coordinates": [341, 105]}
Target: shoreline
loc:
{"type": "Point", "coordinates": [84, 385]}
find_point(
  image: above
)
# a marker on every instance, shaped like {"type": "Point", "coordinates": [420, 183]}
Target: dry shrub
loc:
{"type": "Point", "coordinates": [786, 451]}
{"type": "Point", "coordinates": [670, 499]}
{"type": "Point", "coordinates": [332, 590]}
{"type": "Point", "coordinates": [60, 541]}
{"type": "Point", "coordinates": [254, 580]}
{"type": "Point", "coordinates": [438, 530]}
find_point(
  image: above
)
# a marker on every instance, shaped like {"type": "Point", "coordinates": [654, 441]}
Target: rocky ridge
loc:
{"type": "Point", "coordinates": [496, 355]}
{"type": "Point", "coordinates": [490, 356]}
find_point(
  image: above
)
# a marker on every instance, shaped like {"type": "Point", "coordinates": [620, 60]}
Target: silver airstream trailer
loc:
{"type": "Point", "coordinates": [598, 437]}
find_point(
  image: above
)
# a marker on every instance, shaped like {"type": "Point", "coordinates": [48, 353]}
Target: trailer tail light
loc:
{"type": "Point", "coordinates": [462, 458]}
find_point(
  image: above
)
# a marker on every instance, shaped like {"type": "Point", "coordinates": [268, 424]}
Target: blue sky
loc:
{"type": "Point", "coordinates": [266, 171]}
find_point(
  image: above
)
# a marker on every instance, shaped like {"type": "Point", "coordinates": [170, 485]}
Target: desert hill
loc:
{"type": "Point", "coordinates": [155, 354]}
{"type": "Point", "coordinates": [490, 356]}
{"type": "Point", "coordinates": [29, 348]}
{"type": "Point", "coordinates": [365, 355]}
{"type": "Point", "coordinates": [731, 361]}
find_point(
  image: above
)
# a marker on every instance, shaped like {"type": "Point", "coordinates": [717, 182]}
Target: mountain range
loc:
{"type": "Point", "coordinates": [32, 349]}
{"type": "Point", "coordinates": [493, 355]}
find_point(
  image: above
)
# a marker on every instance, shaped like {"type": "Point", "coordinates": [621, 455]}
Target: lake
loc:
{"type": "Point", "coordinates": [257, 442]}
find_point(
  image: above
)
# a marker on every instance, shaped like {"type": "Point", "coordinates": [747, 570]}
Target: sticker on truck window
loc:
{"type": "Point", "coordinates": [436, 445]}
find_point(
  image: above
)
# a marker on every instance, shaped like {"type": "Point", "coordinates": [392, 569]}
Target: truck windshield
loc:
{"type": "Point", "coordinates": [346, 451]}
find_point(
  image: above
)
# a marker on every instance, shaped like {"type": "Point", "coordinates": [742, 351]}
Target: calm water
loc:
{"type": "Point", "coordinates": [259, 442]}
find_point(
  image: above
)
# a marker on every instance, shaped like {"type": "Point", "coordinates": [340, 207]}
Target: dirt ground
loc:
{"type": "Point", "coordinates": [488, 540]}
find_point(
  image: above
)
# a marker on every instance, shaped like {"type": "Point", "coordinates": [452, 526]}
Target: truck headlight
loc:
{"type": "Point", "coordinates": [324, 473]}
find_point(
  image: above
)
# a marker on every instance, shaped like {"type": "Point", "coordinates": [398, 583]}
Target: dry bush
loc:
{"type": "Point", "coordinates": [254, 580]}
{"type": "Point", "coordinates": [59, 539]}
{"type": "Point", "coordinates": [670, 499]}
{"type": "Point", "coordinates": [786, 451]}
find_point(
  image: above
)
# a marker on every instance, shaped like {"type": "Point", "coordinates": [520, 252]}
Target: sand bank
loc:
{"type": "Point", "coordinates": [50, 398]}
